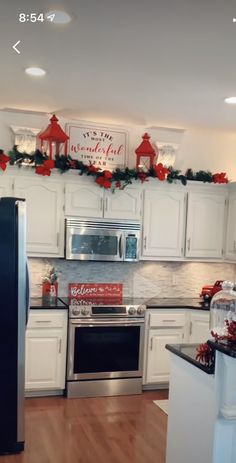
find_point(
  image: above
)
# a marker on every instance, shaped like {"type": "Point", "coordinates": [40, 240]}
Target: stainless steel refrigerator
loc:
{"type": "Point", "coordinates": [14, 302]}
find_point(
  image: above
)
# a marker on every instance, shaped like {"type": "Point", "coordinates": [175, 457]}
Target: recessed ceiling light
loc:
{"type": "Point", "coordinates": [61, 17]}
{"type": "Point", "coordinates": [36, 72]}
{"type": "Point", "coordinates": [230, 100]}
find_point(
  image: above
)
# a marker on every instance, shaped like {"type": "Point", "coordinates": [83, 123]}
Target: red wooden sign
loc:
{"type": "Point", "coordinates": [95, 290]}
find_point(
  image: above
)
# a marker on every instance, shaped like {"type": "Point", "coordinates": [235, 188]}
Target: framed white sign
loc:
{"type": "Point", "coordinates": [102, 146]}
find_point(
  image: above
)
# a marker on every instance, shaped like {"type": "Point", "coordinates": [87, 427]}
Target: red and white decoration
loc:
{"type": "Point", "coordinates": [103, 147]}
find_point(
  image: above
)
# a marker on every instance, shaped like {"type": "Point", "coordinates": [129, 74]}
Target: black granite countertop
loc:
{"type": "Point", "coordinates": [177, 303]}
{"type": "Point", "coordinates": [44, 303]}
{"type": "Point", "coordinates": [226, 347]}
{"type": "Point", "coordinates": [188, 352]}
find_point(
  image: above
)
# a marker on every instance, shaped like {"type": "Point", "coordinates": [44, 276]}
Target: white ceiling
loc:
{"type": "Point", "coordinates": [154, 62]}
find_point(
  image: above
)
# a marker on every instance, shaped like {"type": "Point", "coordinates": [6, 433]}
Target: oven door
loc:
{"type": "Point", "coordinates": [94, 244]}
{"type": "Point", "coordinates": [105, 349]}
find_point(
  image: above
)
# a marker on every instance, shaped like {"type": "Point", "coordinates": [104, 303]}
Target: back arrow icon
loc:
{"type": "Point", "coordinates": [14, 47]}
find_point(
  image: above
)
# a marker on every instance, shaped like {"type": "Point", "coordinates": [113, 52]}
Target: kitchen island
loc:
{"type": "Point", "coordinates": [202, 405]}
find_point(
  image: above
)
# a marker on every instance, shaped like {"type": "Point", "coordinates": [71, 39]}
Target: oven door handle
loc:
{"type": "Point", "coordinates": [92, 323]}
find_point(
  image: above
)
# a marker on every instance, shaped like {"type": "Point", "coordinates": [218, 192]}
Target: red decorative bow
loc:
{"type": "Point", "coordinates": [220, 178]}
{"type": "Point", "coordinates": [3, 160]}
{"type": "Point", "coordinates": [161, 171]}
{"type": "Point", "coordinates": [45, 168]}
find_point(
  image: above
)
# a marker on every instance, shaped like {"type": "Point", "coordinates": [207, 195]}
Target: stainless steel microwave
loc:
{"type": "Point", "coordinates": [102, 240]}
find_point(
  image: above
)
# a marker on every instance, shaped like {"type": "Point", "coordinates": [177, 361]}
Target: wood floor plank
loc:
{"type": "Point", "coordinates": [127, 429]}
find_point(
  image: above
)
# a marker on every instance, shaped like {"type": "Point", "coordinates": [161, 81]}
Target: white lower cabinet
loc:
{"type": "Point", "coordinates": [169, 327]}
{"type": "Point", "coordinates": [46, 340]}
{"type": "Point", "coordinates": [199, 328]}
{"type": "Point", "coordinates": [158, 363]}
{"type": "Point", "coordinates": [161, 328]}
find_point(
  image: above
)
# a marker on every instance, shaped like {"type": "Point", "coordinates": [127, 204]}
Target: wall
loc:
{"type": "Point", "coordinates": [200, 148]}
{"type": "Point", "coordinates": [142, 279]}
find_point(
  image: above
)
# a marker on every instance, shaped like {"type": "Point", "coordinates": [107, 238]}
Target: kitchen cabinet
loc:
{"type": "Point", "coordinates": [6, 186]}
{"type": "Point", "coordinates": [45, 216]}
{"type": "Point", "coordinates": [46, 339]}
{"type": "Point", "coordinates": [230, 248]}
{"type": "Point", "coordinates": [199, 327]}
{"type": "Point", "coordinates": [163, 222]}
{"type": "Point", "coordinates": [205, 224]}
{"type": "Point", "coordinates": [164, 328]}
{"type": "Point", "coordinates": [88, 200]}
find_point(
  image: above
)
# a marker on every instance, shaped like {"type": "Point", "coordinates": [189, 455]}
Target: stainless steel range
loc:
{"type": "Point", "coordinates": [105, 349]}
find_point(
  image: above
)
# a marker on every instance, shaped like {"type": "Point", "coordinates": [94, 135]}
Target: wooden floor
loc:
{"type": "Point", "coordinates": [128, 429]}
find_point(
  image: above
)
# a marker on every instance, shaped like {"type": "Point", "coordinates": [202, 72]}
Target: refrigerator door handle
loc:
{"type": "Point", "coordinates": [27, 292]}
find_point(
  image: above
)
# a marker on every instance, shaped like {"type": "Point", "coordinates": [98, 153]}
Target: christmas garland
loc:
{"type": "Point", "coordinates": [119, 178]}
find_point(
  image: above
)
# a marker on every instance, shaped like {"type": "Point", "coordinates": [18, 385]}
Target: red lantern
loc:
{"type": "Point", "coordinates": [145, 154]}
{"type": "Point", "coordinates": [54, 136]}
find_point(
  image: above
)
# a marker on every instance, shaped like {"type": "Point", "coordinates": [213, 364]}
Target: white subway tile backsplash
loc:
{"type": "Point", "coordinates": [141, 279]}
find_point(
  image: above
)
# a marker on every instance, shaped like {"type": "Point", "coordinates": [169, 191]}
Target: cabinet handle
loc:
{"type": "Point", "coordinates": [189, 244]}
{"type": "Point", "coordinates": [151, 343]}
{"type": "Point", "coordinates": [106, 204]}
{"type": "Point", "coordinates": [101, 204]}
{"type": "Point", "coordinates": [57, 238]}
{"type": "Point", "coordinates": [60, 342]}
{"type": "Point", "coordinates": [234, 246]}
{"type": "Point", "coordinates": [145, 242]}
{"type": "Point", "coordinates": [191, 328]}
{"type": "Point", "coordinates": [43, 321]}
{"type": "Point", "coordinates": [169, 321]}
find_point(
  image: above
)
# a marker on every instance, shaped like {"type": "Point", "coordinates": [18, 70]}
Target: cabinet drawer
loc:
{"type": "Point", "coordinates": [43, 320]}
{"type": "Point", "coordinates": [166, 319]}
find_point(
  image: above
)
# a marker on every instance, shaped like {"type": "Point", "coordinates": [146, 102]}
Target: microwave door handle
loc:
{"type": "Point", "coordinates": [120, 247]}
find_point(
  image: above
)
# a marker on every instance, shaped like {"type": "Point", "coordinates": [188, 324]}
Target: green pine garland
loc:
{"type": "Point", "coordinates": [120, 177]}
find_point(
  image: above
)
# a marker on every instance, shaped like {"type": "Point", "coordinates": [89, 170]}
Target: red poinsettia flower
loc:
{"type": "Point", "coordinates": [220, 178]}
{"type": "Point", "coordinates": [142, 176]}
{"type": "Point", "coordinates": [107, 174]}
{"type": "Point", "coordinates": [102, 181]}
{"type": "Point", "coordinates": [4, 159]}
{"type": "Point", "coordinates": [118, 184]}
{"type": "Point", "coordinates": [45, 168]}
{"type": "Point", "coordinates": [161, 171]}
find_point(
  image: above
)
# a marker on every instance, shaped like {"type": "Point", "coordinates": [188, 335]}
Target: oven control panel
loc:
{"type": "Point", "coordinates": [107, 311]}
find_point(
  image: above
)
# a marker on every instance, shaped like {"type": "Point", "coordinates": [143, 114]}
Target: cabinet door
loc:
{"type": "Point", "coordinates": [199, 328]}
{"type": "Point", "coordinates": [230, 250]}
{"type": "Point", "coordinates": [125, 204]}
{"type": "Point", "coordinates": [163, 223]}
{"type": "Point", "coordinates": [45, 216]}
{"type": "Point", "coordinates": [205, 225]}
{"type": "Point", "coordinates": [6, 186]}
{"type": "Point", "coordinates": [45, 359]}
{"type": "Point", "coordinates": [158, 362]}
{"type": "Point", "coordinates": [83, 200]}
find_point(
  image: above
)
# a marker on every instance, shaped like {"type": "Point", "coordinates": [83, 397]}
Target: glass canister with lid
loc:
{"type": "Point", "coordinates": [223, 307]}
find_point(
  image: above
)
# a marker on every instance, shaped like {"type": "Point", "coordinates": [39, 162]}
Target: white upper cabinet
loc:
{"type": "Point", "coordinates": [230, 249]}
{"type": "Point", "coordinates": [45, 216]}
{"type": "Point", "coordinates": [124, 204]}
{"type": "Point", "coordinates": [84, 200]}
{"type": "Point", "coordinates": [205, 224]}
{"type": "Point", "coordinates": [6, 186]}
{"type": "Point", "coordinates": [163, 222]}
{"type": "Point", "coordinates": [88, 200]}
